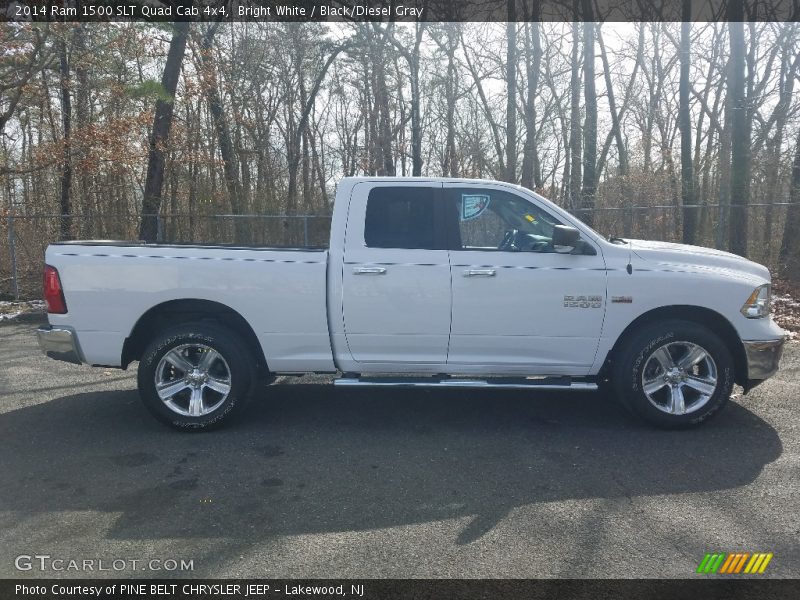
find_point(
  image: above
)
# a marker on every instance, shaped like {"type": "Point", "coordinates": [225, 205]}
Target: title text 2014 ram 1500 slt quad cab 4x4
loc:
{"type": "Point", "coordinates": [426, 282]}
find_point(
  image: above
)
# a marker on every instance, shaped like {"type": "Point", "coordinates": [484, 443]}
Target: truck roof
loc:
{"type": "Point", "coordinates": [465, 180]}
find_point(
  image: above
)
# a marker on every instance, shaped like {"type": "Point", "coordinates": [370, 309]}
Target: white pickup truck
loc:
{"type": "Point", "coordinates": [426, 282]}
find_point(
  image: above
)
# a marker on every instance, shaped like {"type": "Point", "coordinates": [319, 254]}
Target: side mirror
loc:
{"type": "Point", "coordinates": [565, 238]}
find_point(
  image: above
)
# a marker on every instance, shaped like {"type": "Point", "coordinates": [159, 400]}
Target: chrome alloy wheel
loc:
{"type": "Point", "coordinates": [193, 380]}
{"type": "Point", "coordinates": [679, 378]}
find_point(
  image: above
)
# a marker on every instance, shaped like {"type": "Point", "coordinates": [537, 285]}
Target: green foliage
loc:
{"type": "Point", "coordinates": [150, 88]}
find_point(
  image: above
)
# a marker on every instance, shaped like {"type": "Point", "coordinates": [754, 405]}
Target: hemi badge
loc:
{"type": "Point", "coordinates": [622, 299]}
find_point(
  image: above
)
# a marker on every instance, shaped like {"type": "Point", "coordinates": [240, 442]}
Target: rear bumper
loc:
{"type": "Point", "coordinates": [60, 343]}
{"type": "Point", "coordinates": [763, 358]}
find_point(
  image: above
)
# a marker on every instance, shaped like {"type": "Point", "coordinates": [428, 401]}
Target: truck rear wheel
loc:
{"type": "Point", "coordinates": [674, 374]}
{"type": "Point", "coordinates": [195, 376]}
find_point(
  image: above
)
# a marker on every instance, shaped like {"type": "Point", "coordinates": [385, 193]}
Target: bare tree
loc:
{"type": "Point", "coordinates": [20, 68]}
{"type": "Point", "coordinates": [485, 106]}
{"type": "Point", "coordinates": [615, 133]}
{"type": "Point", "coordinates": [220, 125]}
{"type": "Point", "coordinates": [531, 169]}
{"type": "Point", "coordinates": [590, 124]}
{"type": "Point", "coordinates": [162, 123]}
{"type": "Point", "coordinates": [295, 156]}
{"type": "Point", "coordinates": [722, 229]}
{"type": "Point", "coordinates": [685, 124]}
{"type": "Point", "coordinates": [412, 57]}
{"type": "Point", "coordinates": [376, 39]}
{"type": "Point", "coordinates": [511, 91]}
{"type": "Point", "coordinates": [789, 258]}
{"type": "Point", "coordinates": [450, 46]}
{"type": "Point", "coordinates": [740, 132]}
{"type": "Point", "coordinates": [789, 64]}
{"type": "Point", "coordinates": [575, 122]}
{"type": "Point", "coordinates": [65, 85]}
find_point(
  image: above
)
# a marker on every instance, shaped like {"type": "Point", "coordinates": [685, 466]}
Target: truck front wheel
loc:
{"type": "Point", "coordinates": [196, 375]}
{"type": "Point", "coordinates": [674, 374]}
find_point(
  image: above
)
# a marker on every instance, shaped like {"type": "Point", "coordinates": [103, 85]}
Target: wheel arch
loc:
{"type": "Point", "coordinates": [701, 315]}
{"type": "Point", "coordinates": [186, 310]}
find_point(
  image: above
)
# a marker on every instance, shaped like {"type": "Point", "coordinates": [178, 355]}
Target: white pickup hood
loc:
{"type": "Point", "coordinates": [684, 255]}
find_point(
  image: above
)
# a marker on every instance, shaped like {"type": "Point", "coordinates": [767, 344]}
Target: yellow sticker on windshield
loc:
{"type": "Point", "coordinates": [531, 218]}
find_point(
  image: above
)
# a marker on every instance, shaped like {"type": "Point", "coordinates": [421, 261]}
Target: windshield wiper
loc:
{"type": "Point", "coordinates": [614, 240]}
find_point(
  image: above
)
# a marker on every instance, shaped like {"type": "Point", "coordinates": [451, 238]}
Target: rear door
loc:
{"type": "Point", "coordinates": [396, 275]}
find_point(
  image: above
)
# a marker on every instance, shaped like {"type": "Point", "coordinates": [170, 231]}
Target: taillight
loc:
{"type": "Point", "coordinates": [53, 294]}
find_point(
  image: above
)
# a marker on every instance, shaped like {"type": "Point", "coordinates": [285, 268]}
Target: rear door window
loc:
{"type": "Point", "coordinates": [402, 217]}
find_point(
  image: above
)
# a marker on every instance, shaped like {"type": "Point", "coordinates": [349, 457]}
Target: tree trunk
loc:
{"type": "Point", "coordinates": [511, 89]}
{"type": "Point", "coordinates": [775, 145]}
{"type": "Point", "coordinates": [294, 140]}
{"type": "Point", "coordinates": [162, 123]}
{"type": "Point", "coordinates": [789, 258]}
{"type": "Point", "coordinates": [194, 146]}
{"type": "Point", "coordinates": [305, 161]}
{"type": "Point", "coordinates": [615, 134]}
{"type": "Point", "coordinates": [450, 164]}
{"type": "Point", "coordinates": [382, 101]}
{"type": "Point", "coordinates": [501, 171]}
{"type": "Point", "coordinates": [616, 128]}
{"type": "Point", "coordinates": [65, 231]}
{"type": "Point", "coordinates": [740, 132]}
{"type": "Point", "coordinates": [590, 126]}
{"type": "Point", "coordinates": [83, 118]}
{"type": "Point", "coordinates": [724, 192]}
{"type": "Point", "coordinates": [416, 118]}
{"type": "Point", "coordinates": [226, 151]}
{"type": "Point", "coordinates": [531, 170]}
{"type": "Point", "coordinates": [416, 125]}
{"type": "Point", "coordinates": [575, 123]}
{"type": "Point", "coordinates": [685, 125]}
{"type": "Point", "coordinates": [412, 57]}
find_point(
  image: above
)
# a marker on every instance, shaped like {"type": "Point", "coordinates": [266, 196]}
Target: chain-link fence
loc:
{"type": "Point", "coordinates": [24, 237]}
{"type": "Point", "coordinates": [765, 224]}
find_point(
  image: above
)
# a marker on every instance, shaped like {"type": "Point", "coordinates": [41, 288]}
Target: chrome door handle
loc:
{"type": "Point", "coordinates": [480, 273]}
{"type": "Point", "coordinates": [369, 270]}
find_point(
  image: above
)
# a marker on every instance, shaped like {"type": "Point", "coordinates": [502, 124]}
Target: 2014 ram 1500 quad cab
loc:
{"type": "Point", "coordinates": [426, 282]}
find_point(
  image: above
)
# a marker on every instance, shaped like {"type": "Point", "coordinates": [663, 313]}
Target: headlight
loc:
{"type": "Point", "coordinates": [757, 304]}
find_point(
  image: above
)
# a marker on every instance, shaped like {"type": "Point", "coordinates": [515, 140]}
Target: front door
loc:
{"type": "Point", "coordinates": [518, 306]}
{"type": "Point", "coordinates": [396, 277]}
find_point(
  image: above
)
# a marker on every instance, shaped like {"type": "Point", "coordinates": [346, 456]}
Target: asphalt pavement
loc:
{"type": "Point", "coordinates": [324, 482]}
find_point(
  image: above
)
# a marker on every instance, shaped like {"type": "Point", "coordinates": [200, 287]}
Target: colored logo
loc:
{"type": "Point", "coordinates": [735, 562]}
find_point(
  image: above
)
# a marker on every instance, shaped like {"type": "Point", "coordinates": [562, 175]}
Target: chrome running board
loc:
{"type": "Point", "coordinates": [516, 383]}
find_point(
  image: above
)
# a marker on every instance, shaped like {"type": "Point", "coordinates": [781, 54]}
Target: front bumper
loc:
{"type": "Point", "coordinates": [60, 343]}
{"type": "Point", "coordinates": [763, 358]}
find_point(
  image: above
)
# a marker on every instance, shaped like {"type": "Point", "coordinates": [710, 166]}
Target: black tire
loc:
{"type": "Point", "coordinates": [638, 353]}
{"type": "Point", "coordinates": [237, 362]}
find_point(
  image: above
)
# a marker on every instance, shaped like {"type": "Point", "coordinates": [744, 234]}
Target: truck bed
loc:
{"type": "Point", "coordinates": [280, 292]}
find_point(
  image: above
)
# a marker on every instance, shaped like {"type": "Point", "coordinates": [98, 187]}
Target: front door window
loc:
{"type": "Point", "coordinates": [490, 219]}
